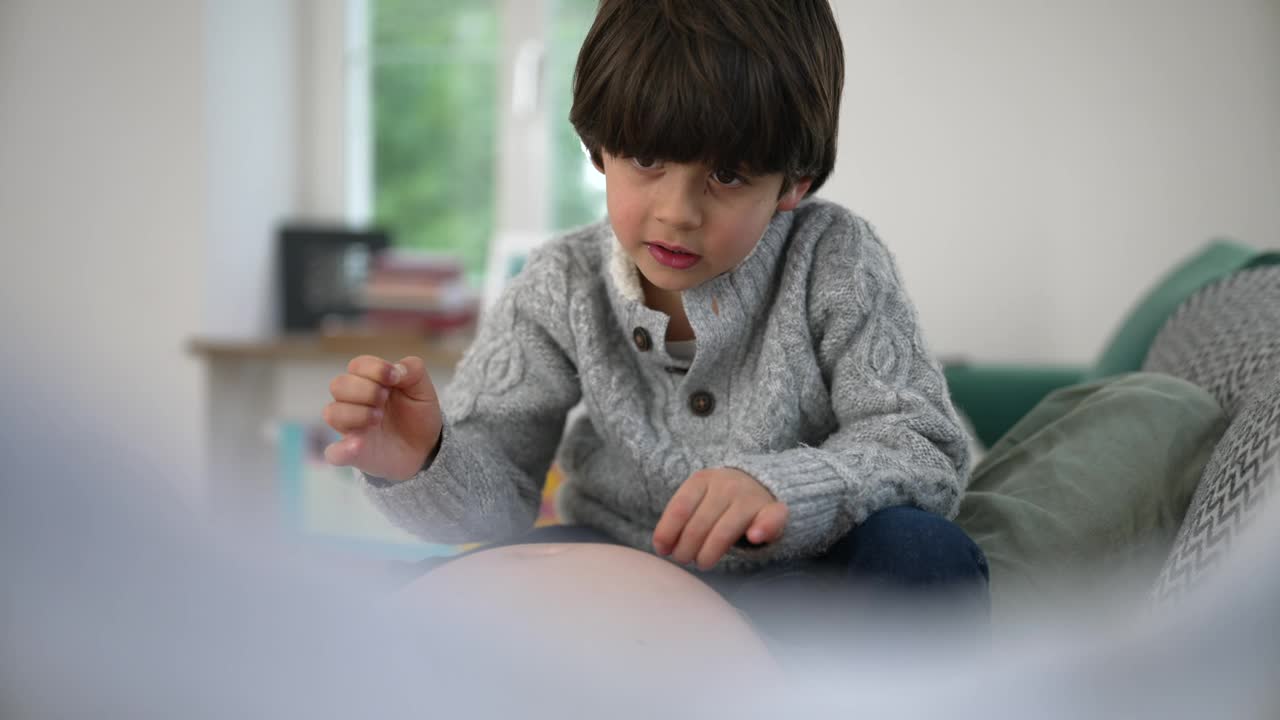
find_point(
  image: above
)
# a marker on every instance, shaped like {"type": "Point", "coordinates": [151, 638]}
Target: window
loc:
{"type": "Point", "coordinates": [464, 126]}
{"type": "Point", "coordinates": [577, 187]}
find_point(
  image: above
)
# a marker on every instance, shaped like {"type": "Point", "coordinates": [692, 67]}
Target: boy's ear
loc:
{"type": "Point", "coordinates": [792, 197]}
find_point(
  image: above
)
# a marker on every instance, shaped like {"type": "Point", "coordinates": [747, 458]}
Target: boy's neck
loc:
{"type": "Point", "coordinates": [669, 302]}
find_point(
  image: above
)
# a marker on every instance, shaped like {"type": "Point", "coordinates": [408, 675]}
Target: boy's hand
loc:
{"type": "Point", "coordinates": [389, 417]}
{"type": "Point", "coordinates": [711, 511]}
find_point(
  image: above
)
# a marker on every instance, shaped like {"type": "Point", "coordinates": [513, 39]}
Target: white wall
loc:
{"type": "Point", "coordinates": [1035, 164]}
{"type": "Point", "coordinates": [102, 208]}
{"type": "Point", "coordinates": [148, 148]}
{"type": "Point", "coordinates": [320, 117]}
{"type": "Point", "coordinates": [253, 110]}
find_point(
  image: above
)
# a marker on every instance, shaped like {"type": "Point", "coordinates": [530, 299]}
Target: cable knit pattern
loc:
{"type": "Point", "coordinates": [823, 390]}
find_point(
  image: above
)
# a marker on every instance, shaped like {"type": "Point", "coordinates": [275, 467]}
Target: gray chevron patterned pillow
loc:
{"type": "Point", "coordinates": [1224, 338]}
{"type": "Point", "coordinates": [1242, 475]}
{"type": "Point", "coordinates": [1227, 340]}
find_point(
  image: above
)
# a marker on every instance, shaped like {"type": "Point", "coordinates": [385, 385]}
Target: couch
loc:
{"type": "Point", "coordinates": [1220, 330]}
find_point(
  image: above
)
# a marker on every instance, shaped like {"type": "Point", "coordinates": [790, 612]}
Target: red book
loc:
{"type": "Point", "coordinates": [401, 264]}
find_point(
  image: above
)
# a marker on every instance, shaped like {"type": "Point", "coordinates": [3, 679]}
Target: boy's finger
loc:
{"type": "Point", "coordinates": [678, 511]}
{"type": "Point", "coordinates": [376, 369]}
{"type": "Point", "coordinates": [345, 451]}
{"type": "Point", "coordinates": [345, 417]}
{"type": "Point", "coordinates": [358, 391]}
{"type": "Point", "coordinates": [409, 375]}
{"type": "Point", "coordinates": [695, 531]}
{"type": "Point", "coordinates": [768, 524]}
{"type": "Point", "coordinates": [732, 524]}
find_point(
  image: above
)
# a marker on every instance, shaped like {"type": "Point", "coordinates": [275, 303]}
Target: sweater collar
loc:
{"type": "Point", "coordinates": [717, 309]}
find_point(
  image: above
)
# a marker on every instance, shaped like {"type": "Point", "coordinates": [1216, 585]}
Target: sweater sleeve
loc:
{"type": "Point", "coordinates": [898, 439]}
{"type": "Point", "coordinates": [504, 413]}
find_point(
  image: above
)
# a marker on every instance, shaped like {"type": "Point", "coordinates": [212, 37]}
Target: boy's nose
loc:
{"type": "Point", "coordinates": [678, 203]}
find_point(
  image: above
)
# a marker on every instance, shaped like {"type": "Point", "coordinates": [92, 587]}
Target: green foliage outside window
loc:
{"type": "Point", "coordinates": [434, 86]}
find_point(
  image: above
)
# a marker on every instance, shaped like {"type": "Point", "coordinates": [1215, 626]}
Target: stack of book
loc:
{"type": "Point", "coordinates": [415, 291]}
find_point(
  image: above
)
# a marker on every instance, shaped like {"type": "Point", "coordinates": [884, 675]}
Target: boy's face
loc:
{"type": "Point", "coordinates": [684, 224]}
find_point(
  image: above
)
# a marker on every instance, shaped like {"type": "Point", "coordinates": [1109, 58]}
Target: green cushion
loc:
{"type": "Point", "coordinates": [1090, 486]}
{"type": "Point", "coordinates": [1128, 347]}
{"type": "Point", "coordinates": [994, 397]}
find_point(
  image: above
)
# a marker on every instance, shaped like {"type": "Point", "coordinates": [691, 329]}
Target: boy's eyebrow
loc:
{"type": "Point", "coordinates": [740, 168]}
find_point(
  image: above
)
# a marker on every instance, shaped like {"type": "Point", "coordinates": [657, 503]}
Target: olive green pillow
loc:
{"type": "Point", "coordinates": [1081, 500]}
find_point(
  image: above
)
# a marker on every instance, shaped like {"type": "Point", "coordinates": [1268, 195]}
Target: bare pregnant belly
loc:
{"type": "Point", "coordinates": [594, 607]}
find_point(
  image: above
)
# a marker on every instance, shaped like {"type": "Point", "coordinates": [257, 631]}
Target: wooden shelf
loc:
{"type": "Point", "coordinates": [441, 351]}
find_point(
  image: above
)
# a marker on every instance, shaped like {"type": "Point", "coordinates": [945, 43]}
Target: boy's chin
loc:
{"type": "Point", "coordinates": [671, 281]}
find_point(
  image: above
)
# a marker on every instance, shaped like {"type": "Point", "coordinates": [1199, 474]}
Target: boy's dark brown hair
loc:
{"type": "Point", "coordinates": [740, 85]}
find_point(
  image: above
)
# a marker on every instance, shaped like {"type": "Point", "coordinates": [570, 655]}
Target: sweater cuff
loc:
{"type": "Point", "coordinates": [810, 482]}
{"type": "Point", "coordinates": [429, 504]}
{"type": "Point", "coordinates": [382, 482]}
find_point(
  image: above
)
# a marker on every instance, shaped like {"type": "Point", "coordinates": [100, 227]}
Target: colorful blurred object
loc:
{"type": "Point", "coordinates": [326, 504]}
{"type": "Point", "coordinates": [547, 514]}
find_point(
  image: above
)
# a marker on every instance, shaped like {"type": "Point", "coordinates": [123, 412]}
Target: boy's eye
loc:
{"type": "Point", "coordinates": [646, 163]}
{"type": "Point", "coordinates": [727, 177]}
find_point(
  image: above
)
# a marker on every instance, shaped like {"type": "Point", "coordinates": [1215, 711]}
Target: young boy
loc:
{"type": "Point", "coordinates": [755, 389]}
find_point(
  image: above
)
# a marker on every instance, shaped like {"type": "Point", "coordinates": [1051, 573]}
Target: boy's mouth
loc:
{"type": "Point", "coordinates": [673, 257]}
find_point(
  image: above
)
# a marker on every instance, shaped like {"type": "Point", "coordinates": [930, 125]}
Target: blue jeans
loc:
{"type": "Point", "coordinates": [901, 565]}
{"type": "Point", "coordinates": [903, 573]}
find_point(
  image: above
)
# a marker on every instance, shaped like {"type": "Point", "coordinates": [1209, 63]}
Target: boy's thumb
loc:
{"type": "Point", "coordinates": [409, 375]}
{"type": "Point", "coordinates": [768, 523]}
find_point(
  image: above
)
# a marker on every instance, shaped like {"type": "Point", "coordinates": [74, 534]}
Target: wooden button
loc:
{"type": "Point", "coordinates": [702, 403]}
{"type": "Point", "coordinates": [641, 338]}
